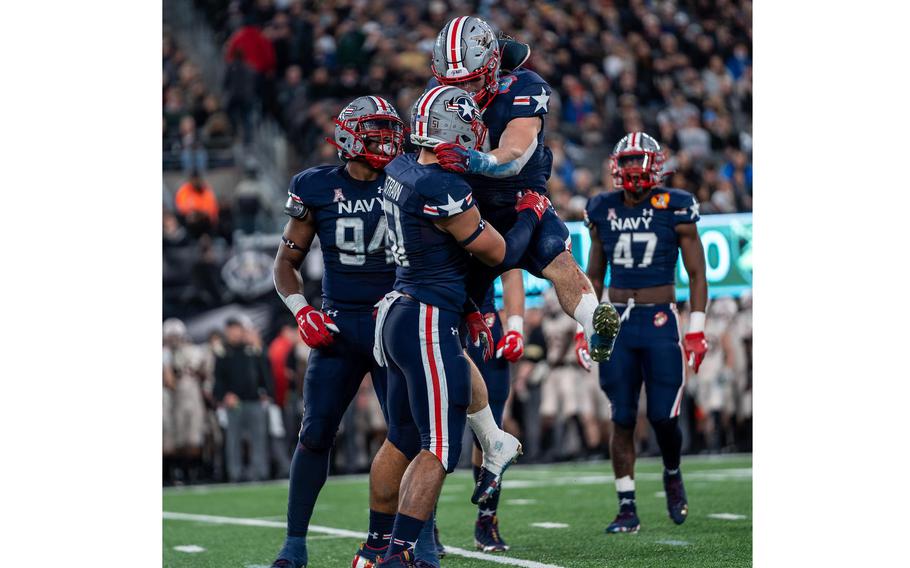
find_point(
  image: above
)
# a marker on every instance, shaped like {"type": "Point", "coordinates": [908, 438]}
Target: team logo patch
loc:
{"type": "Point", "coordinates": [490, 319]}
{"type": "Point", "coordinates": [463, 107]}
{"type": "Point", "coordinates": [611, 214]}
{"type": "Point", "coordinates": [660, 318]}
{"type": "Point", "coordinates": [339, 196]}
{"type": "Point", "coordinates": [661, 200]}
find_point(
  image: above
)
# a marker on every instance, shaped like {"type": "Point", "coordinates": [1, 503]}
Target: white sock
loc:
{"type": "Point", "coordinates": [584, 313]}
{"type": "Point", "coordinates": [625, 483]}
{"type": "Point", "coordinates": [484, 427]}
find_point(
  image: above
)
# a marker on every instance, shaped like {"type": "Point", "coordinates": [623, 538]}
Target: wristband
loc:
{"type": "Point", "coordinates": [696, 322]}
{"type": "Point", "coordinates": [516, 323]}
{"type": "Point", "coordinates": [295, 303]}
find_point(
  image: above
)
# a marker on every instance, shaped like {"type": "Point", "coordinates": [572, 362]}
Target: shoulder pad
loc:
{"type": "Point", "coordinates": [310, 189]}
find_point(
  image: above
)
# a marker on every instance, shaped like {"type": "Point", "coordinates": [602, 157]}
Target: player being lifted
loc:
{"type": "Point", "coordinates": [467, 54]}
{"type": "Point", "coordinates": [434, 230]}
{"type": "Point", "coordinates": [639, 231]}
{"type": "Point", "coordinates": [343, 206]}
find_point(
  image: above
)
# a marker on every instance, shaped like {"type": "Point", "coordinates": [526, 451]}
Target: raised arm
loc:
{"type": "Point", "coordinates": [516, 145]}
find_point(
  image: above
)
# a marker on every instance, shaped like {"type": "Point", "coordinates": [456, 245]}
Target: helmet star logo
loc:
{"type": "Point", "coordinates": [542, 99]}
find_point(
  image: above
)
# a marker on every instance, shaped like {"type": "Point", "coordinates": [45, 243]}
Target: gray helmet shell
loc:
{"type": "Point", "coordinates": [349, 144]}
{"type": "Point", "coordinates": [447, 114]}
{"type": "Point", "coordinates": [464, 48]}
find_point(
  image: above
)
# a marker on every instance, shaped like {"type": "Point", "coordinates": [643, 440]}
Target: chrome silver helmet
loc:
{"type": "Point", "coordinates": [367, 119]}
{"type": "Point", "coordinates": [466, 49]}
{"type": "Point", "coordinates": [447, 114]}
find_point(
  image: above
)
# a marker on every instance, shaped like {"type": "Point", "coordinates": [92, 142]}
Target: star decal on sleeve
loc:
{"type": "Point", "coordinates": [542, 100]}
{"type": "Point", "coordinates": [452, 207]}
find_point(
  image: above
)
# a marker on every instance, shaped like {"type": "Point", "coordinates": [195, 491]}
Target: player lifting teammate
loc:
{"type": "Point", "coordinates": [434, 231]}
{"type": "Point", "coordinates": [467, 54]}
{"type": "Point", "coordinates": [639, 232]}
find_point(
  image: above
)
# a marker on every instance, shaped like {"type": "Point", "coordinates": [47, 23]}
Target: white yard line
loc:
{"type": "Point", "coordinates": [172, 516]}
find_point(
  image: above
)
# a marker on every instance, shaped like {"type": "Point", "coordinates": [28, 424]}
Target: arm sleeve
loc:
{"type": "Point", "coordinates": [446, 199]}
{"type": "Point", "coordinates": [685, 209]}
{"type": "Point", "coordinates": [532, 99]}
{"type": "Point", "coordinates": [294, 206]}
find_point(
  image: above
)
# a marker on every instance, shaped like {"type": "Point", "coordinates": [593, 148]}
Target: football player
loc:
{"type": "Point", "coordinates": [434, 229]}
{"type": "Point", "coordinates": [467, 54]}
{"type": "Point", "coordinates": [639, 232]}
{"type": "Point", "coordinates": [343, 206]}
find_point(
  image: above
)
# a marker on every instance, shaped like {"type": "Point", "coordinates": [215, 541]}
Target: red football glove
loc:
{"type": "Point", "coordinates": [695, 346]}
{"type": "Point", "coordinates": [480, 333]}
{"type": "Point", "coordinates": [582, 352]}
{"type": "Point", "coordinates": [511, 347]}
{"type": "Point", "coordinates": [315, 327]}
{"type": "Point", "coordinates": [452, 157]}
{"type": "Point", "coordinates": [533, 201]}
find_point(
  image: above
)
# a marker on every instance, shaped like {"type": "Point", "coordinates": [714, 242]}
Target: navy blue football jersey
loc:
{"type": "Point", "coordinates": [431, 263]}
{"type": "Point", "coordinates": [352, 233]}
{"type": "Point", "coordinates": [522, 93]}
{"type": "Point", "coordinates": [640, 243]}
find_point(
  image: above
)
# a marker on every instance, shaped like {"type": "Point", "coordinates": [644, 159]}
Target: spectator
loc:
{"type": "Point", "coordinates": [192, 152]}
{"type": "Point", "coordinates": [196, 203]}
{"type": "Point", "coordinates": [249, 200]}
{"type": "Point", "coordinates": [243, 387]}
{"type": "Point", "coordinates": [241, 85]}
{"type": "Point", "coordinates": [250, 45]}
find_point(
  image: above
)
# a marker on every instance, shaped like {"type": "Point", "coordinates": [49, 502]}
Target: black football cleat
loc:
{"type": "Point", "coordinates": [404, 559]}
{"type": "Point", "coordinates": [625, 522]}
{"type": "Point", "coordinates": [677, 504]}
{"type": "Point", "coordinates": [606, 328]}
{"type": "Point", "coordinates": [487, 537]}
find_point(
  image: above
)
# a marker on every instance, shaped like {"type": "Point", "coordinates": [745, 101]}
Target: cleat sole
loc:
{"type": "Point", "coordinates": [606, 328]}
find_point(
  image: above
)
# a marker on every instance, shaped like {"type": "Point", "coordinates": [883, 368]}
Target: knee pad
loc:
{"type": "Point", "coordinates": [405, 438]}
{"type": "Point", "coordinates": [317, 435]}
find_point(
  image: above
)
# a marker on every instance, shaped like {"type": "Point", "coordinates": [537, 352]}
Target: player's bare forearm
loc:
{"type": "Point", "coordinates": [597, 264]}
{"type": "Point", "coordinates": [693, 256]}
{"type": "Point", "coordinates": [296, 240]}
{"type": "Point", "coordinates": [516, 145]}
{"type": "Point", "coordinates": [513, 293]}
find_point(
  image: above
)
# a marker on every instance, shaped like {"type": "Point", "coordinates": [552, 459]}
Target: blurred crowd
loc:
{"type": "Point", "coordinates": [680, 70]}
{"type": "Point", "coordinates": [233, 401]}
